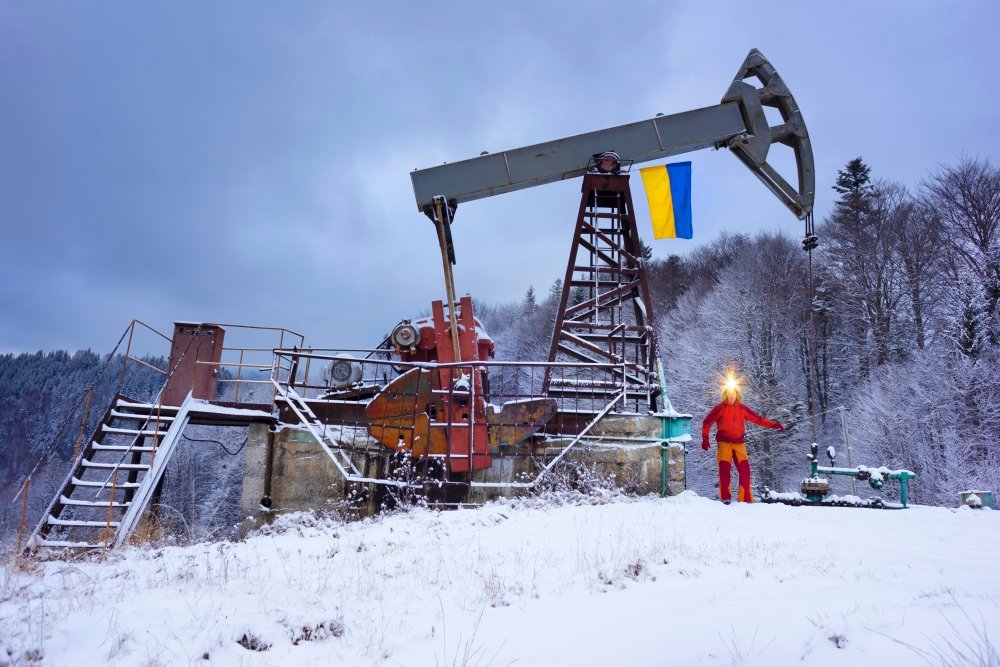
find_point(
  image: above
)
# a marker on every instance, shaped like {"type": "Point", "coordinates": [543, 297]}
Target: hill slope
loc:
{"type": "Point", "coordinates": [647, 581]}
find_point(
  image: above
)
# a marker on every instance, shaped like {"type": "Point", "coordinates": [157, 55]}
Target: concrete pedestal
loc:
{"type": "Point", "coordinates": [623, 451]}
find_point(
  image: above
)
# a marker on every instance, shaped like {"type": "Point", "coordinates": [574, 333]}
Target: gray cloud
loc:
{"type": "Point", "coordinates": [249, 162]}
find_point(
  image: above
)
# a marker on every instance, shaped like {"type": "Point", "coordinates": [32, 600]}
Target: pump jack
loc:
{"type": "Point", "coordinates": [610, 331]}
{"type": "Point", "coordinates": [614, 323]}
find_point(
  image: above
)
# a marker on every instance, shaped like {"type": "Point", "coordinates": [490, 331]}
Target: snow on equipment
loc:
{"type": "Point", "coordinates": [403, 415]}
{"type": "Point", "coordinates": [816, 489]}
{"type": "Point", "coordinates": [976, 499]}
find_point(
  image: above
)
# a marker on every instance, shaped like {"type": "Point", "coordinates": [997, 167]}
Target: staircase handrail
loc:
{"type": "Point", "coordinates": [130, 330]}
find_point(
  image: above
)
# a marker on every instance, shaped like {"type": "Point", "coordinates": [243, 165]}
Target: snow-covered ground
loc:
{"type": "Point", "coordinates": [632, 582]}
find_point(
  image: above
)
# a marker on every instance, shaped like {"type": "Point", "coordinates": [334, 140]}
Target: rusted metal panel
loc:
{"type": "Point", "coordinates": [346, 412]}
{"type": "Point", "coordinates": [429, 413]}
{"type": "Point", "coordinates": [519, 420]}
{"type": "Point", "coordinates": [569, 423]}
{"type": "Point", "coordinates": [399, 416]}
{"type": "Point", "coordinates": [195, 352]}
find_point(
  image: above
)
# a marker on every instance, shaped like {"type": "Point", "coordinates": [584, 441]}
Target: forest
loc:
{"type": "Point", "coordinates": [886, 338]}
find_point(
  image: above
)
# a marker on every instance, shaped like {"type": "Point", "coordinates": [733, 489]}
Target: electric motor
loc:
{"type": "Point", "coordinates": [405, 336]}
{"type": "Point", "coordinates": [342, 372]}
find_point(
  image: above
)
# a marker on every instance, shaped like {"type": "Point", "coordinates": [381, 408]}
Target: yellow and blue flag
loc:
{"type": "Point", "coordinates": [668, 190]}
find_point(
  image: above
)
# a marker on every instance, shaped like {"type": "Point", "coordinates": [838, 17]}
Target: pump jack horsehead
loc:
{"type": "Point", "coordinates": [613, 327]}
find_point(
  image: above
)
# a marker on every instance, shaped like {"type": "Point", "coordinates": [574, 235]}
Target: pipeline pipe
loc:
{"type": "Point", "coordinates": [663, 469]}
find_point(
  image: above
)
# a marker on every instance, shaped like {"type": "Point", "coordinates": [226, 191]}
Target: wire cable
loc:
{"type": "Point", "coordinates": [216, 442]}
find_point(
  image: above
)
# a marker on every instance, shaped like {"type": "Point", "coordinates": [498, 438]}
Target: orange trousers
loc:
{"type": "Point", "coordinates": [728, 453]}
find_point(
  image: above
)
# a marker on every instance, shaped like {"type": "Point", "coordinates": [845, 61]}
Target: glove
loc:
{"type": "Point", "coordinates": [704, 444]}
{"type": "Point", "coordinates": [780, 427]}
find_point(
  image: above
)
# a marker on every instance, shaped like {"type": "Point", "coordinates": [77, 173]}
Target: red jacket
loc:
{"type": "Point", "coordinates": [731, 420]}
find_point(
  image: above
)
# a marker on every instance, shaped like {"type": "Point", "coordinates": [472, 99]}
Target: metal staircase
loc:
{"type": "Point", "coordinates": [117, 471]}
{"type": "Point", "coordinates": [109, 474]}
{"type": "Point", "coordinates": [117, 475]}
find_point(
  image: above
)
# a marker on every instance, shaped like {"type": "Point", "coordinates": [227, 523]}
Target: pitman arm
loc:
{"type": "Point", "coordinates": [738, 123]}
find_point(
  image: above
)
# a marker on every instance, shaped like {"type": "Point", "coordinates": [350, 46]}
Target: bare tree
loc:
{"type": "Point", "coordinates": [824, 354]}
{"type": "Point", "coordinates": [967, 199]}
{"type": "Point", "coordinates": [920, 242]}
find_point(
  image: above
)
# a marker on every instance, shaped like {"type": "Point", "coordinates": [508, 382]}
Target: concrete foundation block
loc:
{"type": "Point", "coordinates": [302, 475]}
{"type": "Point", "coordinates": [624, 451]}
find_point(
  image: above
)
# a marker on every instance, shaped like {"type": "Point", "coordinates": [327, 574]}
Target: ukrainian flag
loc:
{"type": "Point", "coordinates": [668, 190]}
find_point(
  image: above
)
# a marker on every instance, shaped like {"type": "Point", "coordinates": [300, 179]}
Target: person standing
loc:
{"type": "Point", "coordinates": [730, 417]}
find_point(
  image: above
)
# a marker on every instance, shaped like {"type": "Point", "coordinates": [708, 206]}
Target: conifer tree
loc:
{"type": "Point", "coordinates": [530, 300]}
{"type": "Point", "coordinates": [645, 250]}
{"type": "Point", "coordinates": [853, 182]}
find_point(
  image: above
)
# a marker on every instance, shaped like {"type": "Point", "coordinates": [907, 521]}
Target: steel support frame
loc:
{"type": "Point", "coordinates": [605, 259]}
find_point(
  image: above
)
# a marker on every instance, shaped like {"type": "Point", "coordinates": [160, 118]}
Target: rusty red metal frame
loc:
{"type": "Point", "coordinates": [613, 324]}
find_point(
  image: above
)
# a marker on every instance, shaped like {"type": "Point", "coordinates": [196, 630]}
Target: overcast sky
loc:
{"type": "Point", "coordinates": [249, 161]}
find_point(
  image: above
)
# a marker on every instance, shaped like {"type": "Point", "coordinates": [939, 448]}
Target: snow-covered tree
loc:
{"type": "Point", "coordinates": [967, 198]}
{"type": "Point", "coordinates": [861, 244]}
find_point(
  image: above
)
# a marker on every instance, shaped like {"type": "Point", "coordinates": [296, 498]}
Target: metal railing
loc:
{"type": "Point", "coordinates": [244, 368]}
{"type": "Point", "coordinates": [497, 401]}
{"type": "Point", "coordinates": [129, 357]}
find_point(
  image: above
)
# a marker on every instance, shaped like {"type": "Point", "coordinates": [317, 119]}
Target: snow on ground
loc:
{"type": "Point", "coordinates": [634, 582]}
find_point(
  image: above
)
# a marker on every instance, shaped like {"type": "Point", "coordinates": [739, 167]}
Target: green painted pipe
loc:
{"type": "Point", "coordinates": [663, 467]}
{"type": "Point", "coordinates": [904, 476]}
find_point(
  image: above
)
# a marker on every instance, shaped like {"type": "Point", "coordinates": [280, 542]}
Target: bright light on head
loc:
{"type": "Point", "coordinates": [731, 382]}
{"type": "Point", "coordinates": [731, 386]}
